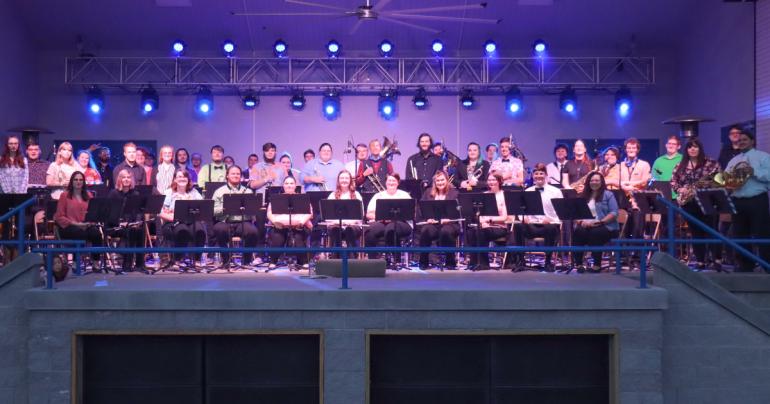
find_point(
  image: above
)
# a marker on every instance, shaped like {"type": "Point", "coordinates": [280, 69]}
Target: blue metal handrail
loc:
{"type": "Point", "coordinates": [344, 253]}
{"type": "Point", "coordinates": [20, 225]}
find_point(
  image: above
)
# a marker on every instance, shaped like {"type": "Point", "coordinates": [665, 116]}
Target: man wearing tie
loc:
{"type": "Point", "coordinates": [554, 170]}
{"type": "Point", "coordinates": [510, 168]}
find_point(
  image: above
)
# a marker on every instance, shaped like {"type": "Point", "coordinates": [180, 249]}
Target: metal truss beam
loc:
{"type": "Point", "coordinates": [361, 74]}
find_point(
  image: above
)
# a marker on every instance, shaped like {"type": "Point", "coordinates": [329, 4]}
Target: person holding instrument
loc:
{"type": "Point", "coordinates": [611, 169]}
{"type": "Point", "coordinates": [131, 232]}
{"type": "Point", "coordinates": [602, 228]}
{"type": "Point", "coordinates": [382, 232]}
{"type": "Point", "coordinates": [374, 170]}
{"type": "Point", "coordinates": [351, 228]}
{"type": "Point", "coordinates": [71, 213]}
{"type": "Point", "coordinates": [320, 174]}
{"type": "Point", "coordinates": [490, 227]}
{"type": "Point", "coordinates": [286, 227]}
{"type": "Point", "coordinates": [176, 233]}
{"type": "Point", "coordinates": [472, 171]}
{"type": "Point", "coordinates": [423, 164]}
{"type": "Point", "coordinates": [228, 226]}
{"type": "Point", "coordinates": [511, 169]}
{"type": "Point", "coordinates": [445, 232]}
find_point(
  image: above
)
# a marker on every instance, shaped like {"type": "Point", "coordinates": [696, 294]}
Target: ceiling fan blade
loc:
{"type": "Point", "coordinates": [381, 4]}
{"type": "Point", "coordinates": [311, 4]}
{"type": "Point", "coordinates": [406, 24]}
{"type": "Point", "coordinates": [356, 26]}
{"type": "Point", "coordinates": [287, 14]}
{"type": "Point", "coordinates": [441, 8]}
{"type": "Point", "coordinates": [442, 18]}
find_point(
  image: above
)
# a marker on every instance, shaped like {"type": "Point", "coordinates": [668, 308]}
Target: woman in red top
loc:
{"type": "Point", "coordinates": [87, 166]}
{"type": "Point", "coordinates": [71, 214]}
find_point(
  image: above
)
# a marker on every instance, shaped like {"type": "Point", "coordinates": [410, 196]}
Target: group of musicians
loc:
{"type": "Point", "coordinates": [604, 186]}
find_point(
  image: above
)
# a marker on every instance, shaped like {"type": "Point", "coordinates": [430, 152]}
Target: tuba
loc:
{"type": "Point", "coordinates": [389, 149]}
{"type": "Point", "coordinates": [735, 178]}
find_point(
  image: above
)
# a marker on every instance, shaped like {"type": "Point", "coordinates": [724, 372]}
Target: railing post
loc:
{"type": "Point", "coordinates": [344, 270]}
{"type": "Point", "coordinates": [49, 270]}
{"type": "Point", "coordinates": [618, 262]}
{"type": "Point", "coordinates": [76, 257]}
{"type": "Point", "coordinates": [20, 230]}
{"type": "Point", "coordinates": [670, 220]}
{"type": "Point", "coordinates": [643, 270]}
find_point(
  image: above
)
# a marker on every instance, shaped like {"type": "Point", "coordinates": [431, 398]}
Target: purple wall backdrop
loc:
{"type": "Point", "coordinates": [18, 89]}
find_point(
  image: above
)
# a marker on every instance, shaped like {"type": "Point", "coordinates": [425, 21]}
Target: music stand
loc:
{"type": "Point", "coordinates": [153, 204]}
{"type": "Point", "coordinates": [102, 211]}
{"type": "Point", "coordinates": [524, 203]}
{"type": "Point", "coordinates": [341, 209]}
{"type": "Point", "coordinates": [290, 204]}
{"type": "Point", "coordinates": [272, 190]}
{"type": "Point", "coordinates": [714, 201]}
{"type": "Point", "coordinates": [99, 190]}
{"type": "Point", "coordinates": [212, 187]}
{"type": "Point", "coordinates": [569, 193]}
{"type": "Point", "coordinates": [664, 187]}
{"type": "Point", "coordinates": [367, 197]}
{"type": "Point", "coordinates": [413, 187]}
{"type": "Point", "coordinates": [648, 202]}
{"type": "Point", "coordinates": [395, 210]}
{"type": "Point", "coordinates": [511, 188]}
{"type": "Point", "coordinates": [194, 212]}
{"type": "Point", "coordinates": [438, 210]}
{"type": "Point", "coordinates": [315, 197]}
{"type": "Point", "coordinates": [243, 205]}
{"type": "Point", "coordinates": [623, 201]}
{"type": "Point", "coordinates": [474, 205]}
{"type": "Point", "coordinates": [144, 189]}
{"type": "Point", "coordinates": [572, 209]}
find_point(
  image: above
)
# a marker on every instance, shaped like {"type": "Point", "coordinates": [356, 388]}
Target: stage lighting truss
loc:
{"type": "Point", "coordinates": [482, 74]}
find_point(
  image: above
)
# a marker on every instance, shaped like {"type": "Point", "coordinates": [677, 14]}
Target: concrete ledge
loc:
{"type": "Point", "coordinates": [742, 282]}
{"type": "Point", "coordinates": [20, 266]}
{"type": "Point", "coordinates": [712, 290]}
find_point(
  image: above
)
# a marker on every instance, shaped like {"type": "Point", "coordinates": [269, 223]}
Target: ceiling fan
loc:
{"type": "Point", "coordinates": [373, 12]}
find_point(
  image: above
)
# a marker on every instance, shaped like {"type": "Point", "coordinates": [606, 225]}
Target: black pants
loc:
{"type": "Point", "coordinates": [259, 223]}
{"type": "Point", "coordinates": [446, 236]}
{"type": "Point", "coordinates": [131, 237]}
{"type": "Point", "coordinates": [751, 221]}
{"type": "Point", "coordinates": [711, 221]}
{"type": "Point", "coordinates": [635, 226]}
{"type": "Point", "coordinates": [223, 232]}
{"type": "Point", "coordinates": [524, 231]}
{"type": "Point", "coordinates": [90, 234]}
{"type": "Point", "coordinates": [282, 238]}
{"type": "Point", "coordinates": [591, 236]}
{"type": "Point", "coordinates": [481, 238]}
{"type": "Point", "coordinates": [380, 234]}
{"type": "Point", "coordinates": [181, 235]}
{"type": "Point", "coordinates": [351, 234]}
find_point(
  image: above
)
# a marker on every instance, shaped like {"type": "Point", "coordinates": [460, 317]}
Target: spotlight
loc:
{"type": "Point", "coordinates": [250, 101]}
{"type": "Point", "coordinates": [280, 48]}
{"type": "Point", "coordinates": [386, 105]}
{"type": "Point", "coordinates": [228, 47]}
{"type": "Point", "coordinates": [333, 49]}
{"type": "Point", "coordinates": [420, 100]}
{"type": "Point", "coordinates": [568, 100]}
{"type": "Point", "coordinates": [623, 102]}
{"type": "Point", "coordinates": [540, 47]}
{"type": "Point", "coordinates": [150, 100]}
{"type": "Point", "coordinates": [95, 100]}
{"type": "Point", "coordinates": [178, 47]}
{"type": "Point", "coordinates": [297, 101]}
{"type": "Point", "coordinates": [513, 102]}
{"type": "Point", "coordinates": [490, 48]}
{"type": "Point", "coordinates": [386, 49]}
{"type": "Point", "coordinates": [204, 101]}
{"type": "Point", "coordinates": [466, 99]}
{"type": "Point", "coordinates": [330, 106]}
{"type": "Point", "coordinates": [437, 47]}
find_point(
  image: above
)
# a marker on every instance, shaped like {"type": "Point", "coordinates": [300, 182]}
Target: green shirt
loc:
{"type": "Point", "coordinates": [663, 168]}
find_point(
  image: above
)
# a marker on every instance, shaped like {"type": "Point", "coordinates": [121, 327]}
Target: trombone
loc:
{"type": "Point", "coordinates": [375, 180]}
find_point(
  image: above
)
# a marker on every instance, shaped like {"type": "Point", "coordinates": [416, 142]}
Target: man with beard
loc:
{"type": "Point", "coordinates": [423, 164]}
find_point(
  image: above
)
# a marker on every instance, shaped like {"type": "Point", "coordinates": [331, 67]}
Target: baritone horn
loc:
{"type": "Point", "coordinates": [389, 149]}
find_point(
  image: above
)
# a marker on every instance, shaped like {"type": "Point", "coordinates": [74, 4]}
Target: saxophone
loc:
{"type": "Point", "coordinates": [684, 197]}
{"type": "Point", "coordinates": [580, 181]}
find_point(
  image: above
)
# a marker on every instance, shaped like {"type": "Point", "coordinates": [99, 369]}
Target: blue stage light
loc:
{"type": "Point", "coordinates": [386, 48]}
{"type": "Point", "coordinates": [540, 47]}
{"type": "Point", "coordinates": [150, 101]}
{"type": "Point", "coordinates": [280, 48]}
{"type": "Point", "coordinates": [623, 102]}
{"type": "Point", "coordinates": [513, 101]}
{"type": "Point", "coordinates": [228, 47]}
{"type": "Point", "coordinates": [568, 100]}
{"type": "Point", "coordinates": [250, 101]}
{"type": "Point", "coordinates": [386, 105]}
{"type": "Point", "coordinates": [437, 47]}
{"type": "Point", "coordinates": [95, 100]}
{"type": "Point", "coordinates": [204, 101]}
{"type": "Point", "coordinates": [330, 106]}
{"type": "Point", "coordinates": [420, 99]}
{"type": "Point", "coordinates": [178, 47]}
{"type": "Point", "coordinates": [297, 101]}
{"type": "Point", "coordinates": [466, 99]}
{"type": "Point", "coordinates": [490, 48]}
{"type": "Point", "coordinates": [333, 49]}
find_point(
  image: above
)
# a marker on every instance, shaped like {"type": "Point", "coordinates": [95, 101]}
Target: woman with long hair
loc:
{"type": "Point", "coordinates": [87, 166]}
{"type": "Point", "coordinates": [381, 233]}
{"type": "Point", "coordinates": [180, 234]}
{"type": "Point", "coordinates": [163, 174]}
{"type": "Point", "coordinates": [71, 211]}
{"type": "Point", "coordinates": [60, 171]}
{"type": "Point", "coordinates": [346, 189]}
{"type": "Point", "coordinates": [602, 227]}
{"type": "Point", "coordinates": [611, 169]}
{"type": "Point", "coordinates": [14, 170]}
{"type": "Point", "coordinates": [444, 233]}
{"type": "Point", "coordinates": [131, 235]}
{"type": "Point", "coordinates": [490, 227]}
{"type": "Point", "coordinates": [693, 172]}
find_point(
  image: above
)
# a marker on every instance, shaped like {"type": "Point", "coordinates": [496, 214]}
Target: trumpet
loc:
{"type": "Point", "coordinates": [473, 174]}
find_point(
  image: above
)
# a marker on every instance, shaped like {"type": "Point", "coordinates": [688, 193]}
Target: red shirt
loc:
{"type": "Point", "coordinates": [70, 211]}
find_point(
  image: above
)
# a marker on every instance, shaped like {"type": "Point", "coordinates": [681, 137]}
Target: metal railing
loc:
{"type": "Point", "coordinates": [18, 211]}
{"type": "Point", "coordinates": [344, 253]}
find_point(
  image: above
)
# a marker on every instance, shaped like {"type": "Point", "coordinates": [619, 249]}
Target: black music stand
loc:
{"type": "Point", "coordinates": [438, 210]}
{"type": "Point", "coordinates": [99, 190]}
{"type": "Point", "coordinates": [413, 187]}
{"type": "Point", "coordinates": [367, 197]}
{"type": "Point", "coordinates": [341, 209]}
{"type": "Point", "coordinates": [395, 210]}
{"type": "Point", "coordinates": [194, 212]}
{"type": "Point", "coordinates": [664, 187]}
{"type": "Point", "coordinates": [648, 202]}
{"type": "Point", "coordinates": [569, 193]}
{"type": "Point", "coordinates": [572, 209]}
{"type": "Point", "coordinates": [144, 189]}
{"type": "Point", "coordinates": [273, 190]}
{"type": "Point", "coordinates": [622, 198]}
{"type": "Point", "coordinates": [524, 203]}
{"type": "Point", "coordinates": [241, 205]}
{"type": "Point", "coordinates": [104, 211]}
{"type": "Point", "coordinates": [511, 188]}
{"type": "Point", "coordinates": [474, 205]}
{"type": "Point", "coordinates": [315, 198]}
{"type": "Point", "coordinates": [290, 204]}
{"type": "Point", "coordinates": [714, 201]}
{"type": "Point", "coordinates": [212, 187]}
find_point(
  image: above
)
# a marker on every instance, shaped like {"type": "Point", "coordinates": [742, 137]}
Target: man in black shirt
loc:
{"type": "Point", "coordinates": [130, 164]}
{"type": "Point", "coordinates": [104, 167]}
{"type": "Point", "coordinates": [580, 165]}
{"type": "Point", "coordinates": [730, 150]}
{"type": "Point", "coordinates": [423, 164]}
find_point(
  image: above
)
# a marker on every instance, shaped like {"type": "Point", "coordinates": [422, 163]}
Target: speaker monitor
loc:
{"type": "Point", "coordinates": [356, 268]}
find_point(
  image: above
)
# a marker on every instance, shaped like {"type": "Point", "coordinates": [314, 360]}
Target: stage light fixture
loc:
{"type": "Point", "coordinates": [513, 102]}
{"type": "Point", "coordinates": [386, 105]}
{"type": "Point", "coordinates": [280, 48]}
{"type": "Point", "coordinates": [540, 47]}
{"type": "Point", "coordinates": [437, 47]}
{"type": "Point", "coordinates": [490, 48]}
{"type": "Point", "coordinates": [568, 100]}
{"type": "Point", "coordinates": [420, 99]}
{"type": "Point", "coordinates": [250, 101]}
{"type": "Point", "coordinates": [95, 100]}
{"type": "Point", "coordinates": [333, 49]}
{"type": "Point", "coordinates": [386, 48]}
{"type": "Point", "coordinates": [466, 99]}
{"type": "Point", "coordinates": [150, 101]}
{"type": "Point", "coordinates": [204, 101]}
{"type": "Point", "coordinates": [330, 106]}
{"type": "Point", "coordinates": [623, 102]}
{"type": "Point", "coordinates": [178, 47]}
{"type": "Point", "coordinates": [297, 101]}
{"type": "Point", "coordinates": [228, 47]}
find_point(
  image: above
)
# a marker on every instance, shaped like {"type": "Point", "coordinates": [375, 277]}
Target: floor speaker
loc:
{"type": "Point", "coordinates": [356, 268]}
